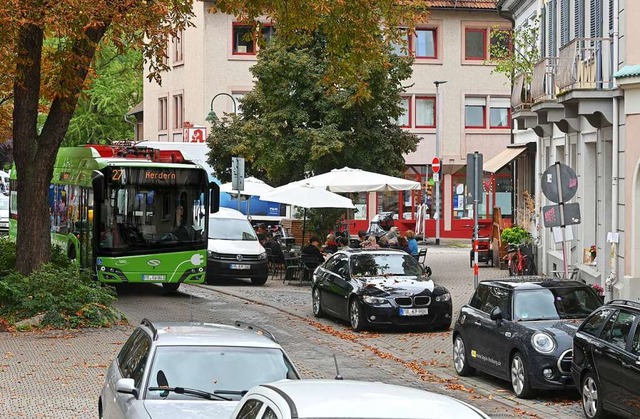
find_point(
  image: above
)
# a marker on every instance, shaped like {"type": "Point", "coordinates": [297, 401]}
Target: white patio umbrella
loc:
{"type": "Point", "coordinates": [306, 196]}
{"type": "Point", "coordinates": [357, 180]}
{"type": "Point", "coordinates": [252, 187]}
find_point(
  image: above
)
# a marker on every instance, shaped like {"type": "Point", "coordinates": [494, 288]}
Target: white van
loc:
{"type": "Point", "coordinates": [234, 249]}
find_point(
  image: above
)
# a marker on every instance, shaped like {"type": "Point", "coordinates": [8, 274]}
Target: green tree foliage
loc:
{"type": "Point", "coordinates": [293, 123]}
{"type": "Point", "coordinates": [516, 51]}
{"type": "Point", "coordinates": [99, 116]}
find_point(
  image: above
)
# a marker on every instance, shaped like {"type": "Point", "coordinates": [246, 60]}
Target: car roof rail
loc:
{"type": "Point", "coordinates": [635, 304]}
{"type": "Point", "coordinates": [259, 330]}
{"type": "Point", "coordinates": [150, 325]}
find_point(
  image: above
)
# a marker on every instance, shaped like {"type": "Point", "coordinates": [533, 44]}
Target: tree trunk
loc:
{"type": "Point", "coordinates": [35, 152]}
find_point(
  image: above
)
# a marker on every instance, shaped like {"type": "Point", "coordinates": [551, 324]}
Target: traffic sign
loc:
{"type": "Point", "coordinates": [559, 183]}
{"type": "Point", "coordinates": [435, 165]}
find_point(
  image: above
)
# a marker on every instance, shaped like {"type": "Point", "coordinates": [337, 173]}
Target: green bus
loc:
{"type": "Point", "coordinates": [133, 214]}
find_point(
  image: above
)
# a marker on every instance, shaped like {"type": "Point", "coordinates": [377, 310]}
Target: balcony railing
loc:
{"type": "Point", "coordinates": [585, 63]}
{"type": "Point", "coordinates": [543, 80]}
{"type": "Point", "coordinates": [521, 93]}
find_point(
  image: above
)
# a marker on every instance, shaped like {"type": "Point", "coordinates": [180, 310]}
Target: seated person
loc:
{"type": "Point", "coordinates": [313, 249]}
{"type": "Point", "coordinates": [383, 242]}
{"type": "Point", "coordinates": [402, 244]}
{"type": "Point", "coordinates": [330, 246]}
{"type": "Point", "coordinates": [370, 243]}
{"type": "Point", "coordinates": [413, 243]}
{"type": "Point", "coordinates": [276, 250]}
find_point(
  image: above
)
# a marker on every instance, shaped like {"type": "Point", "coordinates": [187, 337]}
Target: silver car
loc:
{"type": "Point", "coordinates": [190, 370]}
{"type": "Point", "coordinates": [288, 399]}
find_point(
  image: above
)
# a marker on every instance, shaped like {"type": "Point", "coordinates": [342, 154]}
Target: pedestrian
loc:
{"type": "Point", "coordinates": [412, 242]}
{"type": "Point", "coordinates": [371, 243]}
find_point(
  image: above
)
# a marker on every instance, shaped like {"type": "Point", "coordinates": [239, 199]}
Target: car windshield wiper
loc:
{"type": "Point", "coordinates": [535, 319]}
{"type": "Point", "coordinates": [232, 392]}
{"type": "Point", "coordinates": [191, 392]}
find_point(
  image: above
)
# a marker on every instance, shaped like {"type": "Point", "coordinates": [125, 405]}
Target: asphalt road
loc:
{"type": "Point", "coordinates": [59, 374]}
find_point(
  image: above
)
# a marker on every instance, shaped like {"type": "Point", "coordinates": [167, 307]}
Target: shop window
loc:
{"type": "Point", "coordinates": [360, 202]}
{"type": "Point", "coordinates": [388, 202]}
{"type": "Point", "coordinates": [474, 112]}
{"type": "Point", "coordinates": [425, 112]}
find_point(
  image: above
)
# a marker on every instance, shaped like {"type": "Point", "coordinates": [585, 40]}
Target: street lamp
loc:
{"type": "Point", "coordinates": [437, 214]}
{"type": "Point", "coordinates": [212, 117]}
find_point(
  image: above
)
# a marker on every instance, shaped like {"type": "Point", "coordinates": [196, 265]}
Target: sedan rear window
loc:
{"type": "Point", "coordinates": [554, 303]}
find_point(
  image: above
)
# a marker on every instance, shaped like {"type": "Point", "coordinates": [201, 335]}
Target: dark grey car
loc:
{"type": "Point", "coordinates": [521, 330]}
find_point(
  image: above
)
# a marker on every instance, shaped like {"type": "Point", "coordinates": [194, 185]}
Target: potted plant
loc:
{"type": "Point", "coordinates": [515, 235]}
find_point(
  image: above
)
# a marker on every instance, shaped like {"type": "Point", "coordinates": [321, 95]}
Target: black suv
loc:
{"type": "Point", "coordinates": [521, 329]}
{"type": "Point", "coordinates": [606, 361]}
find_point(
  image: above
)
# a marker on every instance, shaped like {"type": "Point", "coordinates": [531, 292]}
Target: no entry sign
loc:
{"type": "Point", "coordinates": [435, 165]}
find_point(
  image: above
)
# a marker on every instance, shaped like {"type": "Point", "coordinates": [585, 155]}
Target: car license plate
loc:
{"type": "Point", "coordinates": [238, 266]}
{"type": "Point", "coordinates": [414, 311]}
{"type": "Point", "coordinates": [154, 277]}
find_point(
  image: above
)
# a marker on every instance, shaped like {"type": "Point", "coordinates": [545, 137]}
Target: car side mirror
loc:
{"type": "Point", "coordinates": [342, 271]}
{"type": "Point", "coordinates": [127, 386]}
{"type": "Point", "coordinates": [496, 314]}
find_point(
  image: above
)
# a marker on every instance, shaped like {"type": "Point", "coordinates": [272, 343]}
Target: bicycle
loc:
{"type": "Point", "coordinates": [520, 260]}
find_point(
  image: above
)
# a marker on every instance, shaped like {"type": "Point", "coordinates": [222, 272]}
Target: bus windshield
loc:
{"type": "Point", "coordinates": [134, 216]}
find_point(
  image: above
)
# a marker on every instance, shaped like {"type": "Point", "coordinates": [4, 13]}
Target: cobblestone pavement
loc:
{"type": "Point", "coordinates": [59, 374]}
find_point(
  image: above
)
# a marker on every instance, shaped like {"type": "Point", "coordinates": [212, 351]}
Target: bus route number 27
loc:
{"type": "Point", "coordinates": [116, 175]}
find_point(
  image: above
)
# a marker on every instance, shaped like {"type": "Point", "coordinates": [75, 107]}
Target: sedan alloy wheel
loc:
{"type": "Point", "coordinates": [591, 402]}
{"type": "Point", "coordinates": [356, 316]}
{"type": "Point", "coordinates": [316, 303]}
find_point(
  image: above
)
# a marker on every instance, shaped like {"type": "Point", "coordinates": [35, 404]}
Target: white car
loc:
{"type": "Point", "coordinates": [4, 213]}
{"type": "Point", "coordinates": [189, 370]}
{"type": "Point", "coordinates": [234, 250]}
{"type": "Point", "coordinates": [289, 399]}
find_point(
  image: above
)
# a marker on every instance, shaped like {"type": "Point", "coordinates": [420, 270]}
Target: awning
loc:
{"type": "Point", "coordinates": [503, 158]}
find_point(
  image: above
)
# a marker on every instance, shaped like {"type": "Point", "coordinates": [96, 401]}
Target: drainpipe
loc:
{"type": "Point", "coordinates": [611, 280]}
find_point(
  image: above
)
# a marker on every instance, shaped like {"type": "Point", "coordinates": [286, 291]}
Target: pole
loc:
{"type": "Point", "coordinates": [562, 225]}
{"type": "Point", "coordinates": [476, 194]}
{"type": "Point", "coordinates": [437, 183]}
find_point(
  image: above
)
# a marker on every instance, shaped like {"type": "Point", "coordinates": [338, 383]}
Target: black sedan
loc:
{"type": "Point", "coordinates": [606, 360]}
{"type": "Point", "coordinates": [379, 287]}
{"type": "Point", "coordinates": [521, 330]}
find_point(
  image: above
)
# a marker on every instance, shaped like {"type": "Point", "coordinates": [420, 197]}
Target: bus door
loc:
{"type": "Point", "coordinates": [84, 227]}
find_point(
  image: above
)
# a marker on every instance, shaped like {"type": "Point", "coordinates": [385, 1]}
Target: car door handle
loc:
{"type": "Point", "coordinates": [477, 323]}
{"type": "Point", "coordinates": [597, 351]}
{"type": "Point", "coordinates": [625, 365]}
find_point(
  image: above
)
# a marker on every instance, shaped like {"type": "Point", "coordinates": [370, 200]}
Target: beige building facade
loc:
{"type": "Point", "coordinates": [471, 112]}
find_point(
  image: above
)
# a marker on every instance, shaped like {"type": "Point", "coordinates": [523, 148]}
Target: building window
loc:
{"type": "Point", "coordinates": [178, 49]}
{"type": "Point", "coordinates": [474, 112]}
{"type": "Point", "coordinates": [177, 112]}
{"type": "Point", "coordinates": [402, 47]}
{"type": "Point", "coordinates": [425, 43]}
{"type": "Point", "coordinates": [475, 46]}
{"type": "Point", "coordinates": [499, 112]}
{"type": "Point", "coordinates": [405, 117]}
{"type": "Point", "coordinates": [425, 112]}
{"type": "Point", "coordinates": [162, 114]}
{"type": "Point", "coordinates": [244, 38]}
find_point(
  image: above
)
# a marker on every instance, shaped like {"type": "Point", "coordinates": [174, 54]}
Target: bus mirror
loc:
{"type": "Point", "coordinates": [97, 181]}
{"type": "Point", "coordinates": [214, 197]}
